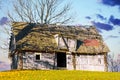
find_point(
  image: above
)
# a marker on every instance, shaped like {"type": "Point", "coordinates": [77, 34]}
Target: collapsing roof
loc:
{"type": "Point", "coordinates": [37, 37]}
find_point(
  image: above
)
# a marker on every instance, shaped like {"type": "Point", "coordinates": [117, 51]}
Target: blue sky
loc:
{"type": "Point", "coordinates": [101, 14]}
{"type": "Point", "coordinates": [104, 14]}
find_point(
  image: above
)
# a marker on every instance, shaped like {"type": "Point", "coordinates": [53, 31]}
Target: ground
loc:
{"type": "Point", "coordinates": [58, 75]}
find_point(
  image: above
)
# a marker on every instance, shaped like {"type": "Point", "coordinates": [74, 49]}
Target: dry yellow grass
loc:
{"type": "Point", "coordinates": [58, 75]}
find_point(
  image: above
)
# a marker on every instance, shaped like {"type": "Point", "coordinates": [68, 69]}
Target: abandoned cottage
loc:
{"type": "Point", "coordinates": [37, 46]}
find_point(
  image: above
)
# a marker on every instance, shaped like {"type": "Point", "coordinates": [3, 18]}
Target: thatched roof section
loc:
{"type": "Point", "coordinates": [28, 37]}
{"type": "Point", "coordinates": [41, 37]}
{"type": "Point", "coordinates": [101, 48]}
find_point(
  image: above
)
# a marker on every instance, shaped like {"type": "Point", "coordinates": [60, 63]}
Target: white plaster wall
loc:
{"type": "Point", "coordinates": [90, 62]}
{"type": "Point", "coordinates": [61, 43]}
{"type": "Point", "coordinates": [69, 62]}
{"type": "Point", "coordinates": [72, 45]}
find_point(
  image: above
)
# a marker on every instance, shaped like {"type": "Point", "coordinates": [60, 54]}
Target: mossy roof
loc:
{"type": "Point", "coordinates": [38, 37]}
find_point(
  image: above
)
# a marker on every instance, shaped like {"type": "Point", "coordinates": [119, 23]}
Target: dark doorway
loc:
{"type": "Point", "coordinates": [61, 59]}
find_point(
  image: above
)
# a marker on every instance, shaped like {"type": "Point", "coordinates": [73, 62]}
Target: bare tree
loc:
{"type": "Point", "coordinates": [113, 64]}
{"type": "Point", "coordinates": [4, 29]}
{"type": "Point", "coordinates": [110, 62]}
{"type": "Point", "coordinates": [118, 62]}
{"type": "Point", "coordinates": [41, 11]}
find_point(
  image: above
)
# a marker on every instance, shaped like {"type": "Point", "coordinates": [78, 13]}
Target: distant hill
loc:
{"type": "Point", "coordinates": [4, 66]}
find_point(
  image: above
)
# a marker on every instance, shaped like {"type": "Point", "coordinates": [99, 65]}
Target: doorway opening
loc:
{"type": "Point", "coordinates": [61, 59]}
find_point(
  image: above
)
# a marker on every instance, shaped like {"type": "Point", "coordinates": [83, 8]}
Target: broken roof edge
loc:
{"type": "Point", "coordinates": [16, 24]}
{"type": "Point", "coordinates": [61, 29]}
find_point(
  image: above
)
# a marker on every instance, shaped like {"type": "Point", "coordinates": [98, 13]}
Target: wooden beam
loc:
{"type": "Point", "coordinates": [55, 57]}
{"type": "Point", "coordinates": [105, 62]}
{"type": "Point", "coordinates": [74, 61]}
{"type": "Point", "coordinates": [20, 61]}
{"type": "Point", "coordinates": [65, 42]}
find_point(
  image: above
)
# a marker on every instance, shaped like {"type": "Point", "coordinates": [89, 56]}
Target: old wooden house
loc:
{"type": "Point", "coordinates": [37, 46]}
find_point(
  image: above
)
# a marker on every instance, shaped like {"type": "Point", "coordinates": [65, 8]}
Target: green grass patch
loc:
{"type": "Point", "coordinates": [58, 75]}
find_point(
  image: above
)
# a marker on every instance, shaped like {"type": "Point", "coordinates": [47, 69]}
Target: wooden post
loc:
{"type": "Point", "coordinates": [20, 61]}
{"type": "Point", "coordinates": [105, 62]}
{"type": "Point", "coordinates": [54, 65]}
{"type": "Point", "coordinates": [13, 60]}
{"type": "Point", "coordinates": [74, 61]}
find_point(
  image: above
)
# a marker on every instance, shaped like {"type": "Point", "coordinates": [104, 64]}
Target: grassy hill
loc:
{"type": "Point", "coordinates": [58, 75]}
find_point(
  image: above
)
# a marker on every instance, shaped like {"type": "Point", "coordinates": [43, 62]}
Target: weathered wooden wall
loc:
{"type": "Point", "coordinates": [47, 61]}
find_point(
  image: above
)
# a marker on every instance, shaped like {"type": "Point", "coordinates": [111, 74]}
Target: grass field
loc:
{"type": "Point", "coordinates": [58, 75]}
